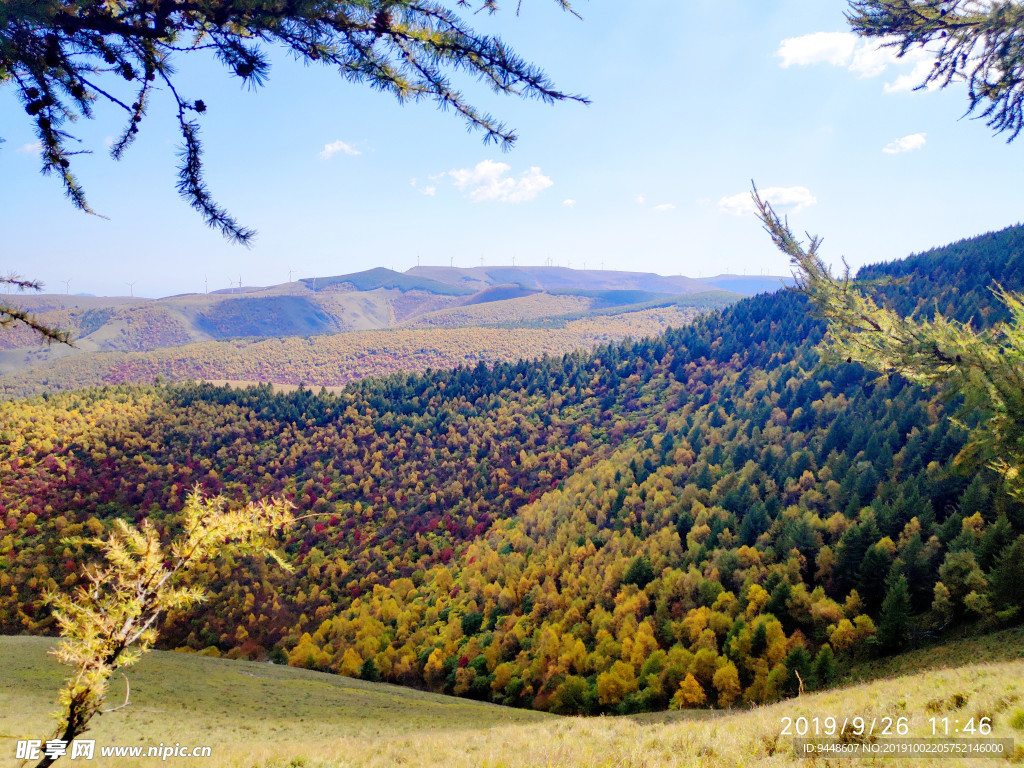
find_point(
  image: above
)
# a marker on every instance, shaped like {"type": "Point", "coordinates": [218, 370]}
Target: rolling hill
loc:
{"type": "Point", "coordinates": [375, 299]}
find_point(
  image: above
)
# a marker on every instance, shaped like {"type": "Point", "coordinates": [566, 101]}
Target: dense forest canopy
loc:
{"type": "Point", "coordinates": [705, 517]}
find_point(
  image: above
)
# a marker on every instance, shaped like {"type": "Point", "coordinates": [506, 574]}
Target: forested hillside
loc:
{"type": "Point", "coordinates": [704, 517]}
{"type": "Point", "coordinates": [333, 360]}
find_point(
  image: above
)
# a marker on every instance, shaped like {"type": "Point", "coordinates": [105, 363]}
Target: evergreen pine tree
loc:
{"type": "Point", "coordinates": [825, 667]}
{"type": "Point", "coordinates": [639, 572]}
{"type": "Point", "coordinates": [894, 622]}
{"type": "Point", "coordinates": [1008, 580]}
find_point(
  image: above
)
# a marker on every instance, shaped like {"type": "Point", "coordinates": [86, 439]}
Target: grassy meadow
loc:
{"type": "Point", "coordinates": [264, 716]}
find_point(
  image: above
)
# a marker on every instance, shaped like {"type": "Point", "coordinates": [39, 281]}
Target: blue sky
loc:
{"type": "Point", "coordinates": [691, 100]}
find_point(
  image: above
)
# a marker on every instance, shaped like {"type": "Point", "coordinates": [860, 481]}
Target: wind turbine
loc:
{"type": "Point", "coordinates": [67, 286]}
{"type": "Point", "coordinates": [131, 288]}
{"type": "Point", "coordinates": [206, 284]}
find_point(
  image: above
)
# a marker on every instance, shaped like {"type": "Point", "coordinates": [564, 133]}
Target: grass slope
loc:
{"type": "Point", "coordinates": [260, 715]}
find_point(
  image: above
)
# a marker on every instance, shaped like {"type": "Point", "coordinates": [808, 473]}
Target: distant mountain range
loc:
{"type": "Point", "coordinates": [370, 300]}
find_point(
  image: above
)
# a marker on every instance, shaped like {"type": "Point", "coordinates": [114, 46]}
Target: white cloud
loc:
{"type": "Point", "coordinates": [488, 181]}
{"type": "Point", "coordinates": [834, 48]}
{"type": "Point", "coordinates": [906, 144]}
{"type": "Point", "coordinates": [30, 149]}
{"type": "Point", "coordinates": [429, 191]}
{"type": "Point", "coordinates": [664, 207]}
{"type": "Point", "coordinates": [570, 203]}
{"type": "Point", "coordinates": [640, 199]}
{"type": "Point", "coordinates": [792, 199]}
{"type": "Point", "coordinates": [863, 58]}
{"type": "Point", "coordinates": [335, 147]}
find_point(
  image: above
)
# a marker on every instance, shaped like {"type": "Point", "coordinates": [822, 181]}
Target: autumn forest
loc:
{"type": "Point", "coordinates": [706, 517]}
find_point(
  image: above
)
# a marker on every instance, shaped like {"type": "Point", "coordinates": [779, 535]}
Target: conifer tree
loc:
{"type": "Point", "coordinates": [1008, 580]}
{"type": "Point", "coordinates": [825, 667]}
{"type": "Point", "coordinates": [108, 624]}
{"type": "Point", "coordinates": [894, 622]}
{"type": "Point", "coordinates": [639, 572]}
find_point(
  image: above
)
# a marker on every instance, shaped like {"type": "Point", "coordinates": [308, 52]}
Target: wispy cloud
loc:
{"type": "Point", "coordinates": [335, 147]}
{"type": "Point", "coordinates": [489, 180]}
{"type": "Point", "coordinates": [863, 58]}
{"type": "Point", "coordinates": [640, 199]}
{"type": "Point", "coordinates": [430, 190]}
{"type": "Point", "coordinates": [664, 207]}
{"type": "Point", "coordinates": [30, 149]}
{"type": "Point", "coordinates": [906, 144]}
{"type": "Point", "coordinates": [570, 203]}
{"type": "Point", "coordinates": [790, 199]}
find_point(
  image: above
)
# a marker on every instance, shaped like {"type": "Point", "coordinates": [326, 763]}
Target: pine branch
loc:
{"type": "Point", "coordinates": [10, 314]}
{"type": "Point", "coordinates": [986, 368]}
{"type": "Point", "coordinates": [980, 43]}
{"type": "Point", "coordinates": [57, 54]}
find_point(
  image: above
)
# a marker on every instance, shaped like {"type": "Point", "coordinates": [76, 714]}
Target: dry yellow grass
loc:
{"type": "Point", "coordinates": [262, 716]}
